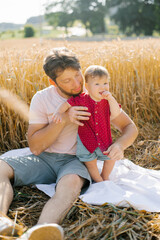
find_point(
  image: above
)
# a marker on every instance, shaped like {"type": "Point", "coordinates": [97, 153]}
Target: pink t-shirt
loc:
{"type": "Point", "coordinates": [44, 103]}
{"type": "Point", "coordinates": [96, 131]}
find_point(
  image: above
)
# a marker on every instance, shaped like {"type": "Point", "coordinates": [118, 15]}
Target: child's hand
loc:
{"type": "Point", "coordinates": [106, 95]}
{"type": "Point", "coordinates": [57, 118]}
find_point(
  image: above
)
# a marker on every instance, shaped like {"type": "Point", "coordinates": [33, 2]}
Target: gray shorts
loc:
{"type": "Point", "coordinates": [45, 168]}
{"type": "Point", "coordinates": [85, 156]}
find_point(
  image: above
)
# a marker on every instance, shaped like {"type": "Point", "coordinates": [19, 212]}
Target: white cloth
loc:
{"type": "Point", "coordinates": [129, 184]}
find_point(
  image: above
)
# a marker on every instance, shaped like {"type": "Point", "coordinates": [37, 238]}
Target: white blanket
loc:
{"type": "Point", "coordinates": [129, 184]}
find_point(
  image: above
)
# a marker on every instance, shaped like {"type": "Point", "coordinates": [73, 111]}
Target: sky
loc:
{"type": "Point", "coordinates": [18, 11]}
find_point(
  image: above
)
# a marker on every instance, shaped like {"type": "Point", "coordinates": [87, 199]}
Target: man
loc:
{"type": "Point", "coordinates": [53, 147]}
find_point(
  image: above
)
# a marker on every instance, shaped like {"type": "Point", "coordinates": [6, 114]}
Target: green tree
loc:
{"type": "Point", "coordinates": [61, 19]}
{"type": "Point", "coordinates": [157, 14]}
{"type": "Point", "coordinates": [136, 16]}
{"type": "Point", "coordinates": [29, 31]}
{"type": "Point", "coordinates": [90, 12]}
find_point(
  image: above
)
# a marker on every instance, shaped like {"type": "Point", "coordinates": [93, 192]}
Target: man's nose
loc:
{"type": "Point", "coordinates": [76, 83]}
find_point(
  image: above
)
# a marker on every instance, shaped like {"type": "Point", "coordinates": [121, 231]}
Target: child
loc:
{"type": "Point", "coordinates": [94, 137]}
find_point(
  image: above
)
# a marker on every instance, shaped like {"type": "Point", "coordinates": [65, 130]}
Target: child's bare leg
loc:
{"type": "Point", "coordinates": [107, 169]}
{"type": "Point", "coordinates": [93, 170]}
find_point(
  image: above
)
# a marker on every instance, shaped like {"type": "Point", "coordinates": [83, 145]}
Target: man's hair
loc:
{"type": "Point", "coordinates": [94, 71]}
{"type": "Point", "coordinates": [58, 60]}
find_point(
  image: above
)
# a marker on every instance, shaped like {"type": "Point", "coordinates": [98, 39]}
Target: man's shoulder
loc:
{"type": "Point", "coordinates": [46, 92]}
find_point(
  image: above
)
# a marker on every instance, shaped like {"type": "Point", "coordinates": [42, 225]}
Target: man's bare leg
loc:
{"type": "Point", "coordinates": [67, 191]}
{"type": "Point", "coordinates": [7, 226]}
{"type": "Point", "coordinates": [6, 190]}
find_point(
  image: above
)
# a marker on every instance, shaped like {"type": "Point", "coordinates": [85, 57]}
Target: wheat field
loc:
{"type": "Point", "coordinates": [134, 68]}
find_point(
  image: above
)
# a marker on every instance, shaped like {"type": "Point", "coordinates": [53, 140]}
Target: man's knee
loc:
{"type": "Point", "coordinates": [72, 182]}
{"type": "Point", "coordinates": [75, 181]}
{"type": "Point", "coordinates": [6, 170]}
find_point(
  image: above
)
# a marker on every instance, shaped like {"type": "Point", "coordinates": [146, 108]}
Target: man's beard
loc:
{"type": "Point", "coordinates": [70, 94]}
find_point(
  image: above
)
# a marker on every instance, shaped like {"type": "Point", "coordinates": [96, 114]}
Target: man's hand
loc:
{"type": "Point", "coordinates": [76, 114]}
{"type": "Point", "coordinates": [115, 152]}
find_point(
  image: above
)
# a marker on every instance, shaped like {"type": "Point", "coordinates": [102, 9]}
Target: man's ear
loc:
{"type": "Point", "coordinates": [52, 82]}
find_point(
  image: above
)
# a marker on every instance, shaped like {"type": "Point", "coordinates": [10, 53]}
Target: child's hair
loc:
{"type": "Point", "coordinates": [94, 71]}
{"type": "Point", "coordinates": [58, 60]}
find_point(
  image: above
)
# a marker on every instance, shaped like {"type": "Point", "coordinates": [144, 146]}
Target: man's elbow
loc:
{"type": "Point", "coordinates": [35, 152]}
{"type": "Point", "coordinates": [34, 149]}
{"type": "Point", "coordinates": [134, 129]}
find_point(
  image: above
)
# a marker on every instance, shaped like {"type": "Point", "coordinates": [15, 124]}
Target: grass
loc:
{"type": "Point", "coordinates": [135, 82]}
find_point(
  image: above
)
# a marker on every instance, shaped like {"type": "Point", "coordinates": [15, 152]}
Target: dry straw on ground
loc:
{"type": "Point", "coordinates": [134, 67]}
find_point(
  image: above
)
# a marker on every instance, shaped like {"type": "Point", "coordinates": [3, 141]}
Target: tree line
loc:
{"type": "Point", "coordinates": [132, 16]}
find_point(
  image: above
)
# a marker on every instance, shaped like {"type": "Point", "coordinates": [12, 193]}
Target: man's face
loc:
{"type": "Point", "coordinates": [69, 82]}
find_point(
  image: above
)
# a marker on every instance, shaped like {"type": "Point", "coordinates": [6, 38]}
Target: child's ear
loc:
{"type": "Point", "coordinates": [52, 82]}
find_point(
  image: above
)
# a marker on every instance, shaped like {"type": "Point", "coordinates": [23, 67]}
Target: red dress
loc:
{"type": "Point", "coordinates": [96, 131]}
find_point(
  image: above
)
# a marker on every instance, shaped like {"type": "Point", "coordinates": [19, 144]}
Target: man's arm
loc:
{"type": "Point", "coordinates": [114, 106]}
{"type": "Point", "coordinates": [42, 136]}
{"type": "Point", "coordinates": [129, 133]}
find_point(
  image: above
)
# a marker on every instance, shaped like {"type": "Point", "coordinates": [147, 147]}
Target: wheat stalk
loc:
{"type": "Point", "coordinates": [13, 102]}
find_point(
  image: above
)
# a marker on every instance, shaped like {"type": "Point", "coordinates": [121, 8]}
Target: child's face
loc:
{"type": "Point", "coordinates": [96, 86]}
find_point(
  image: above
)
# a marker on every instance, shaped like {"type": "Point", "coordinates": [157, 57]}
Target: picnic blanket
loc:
{"type": "Point", "coordinates": [129, 185]}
